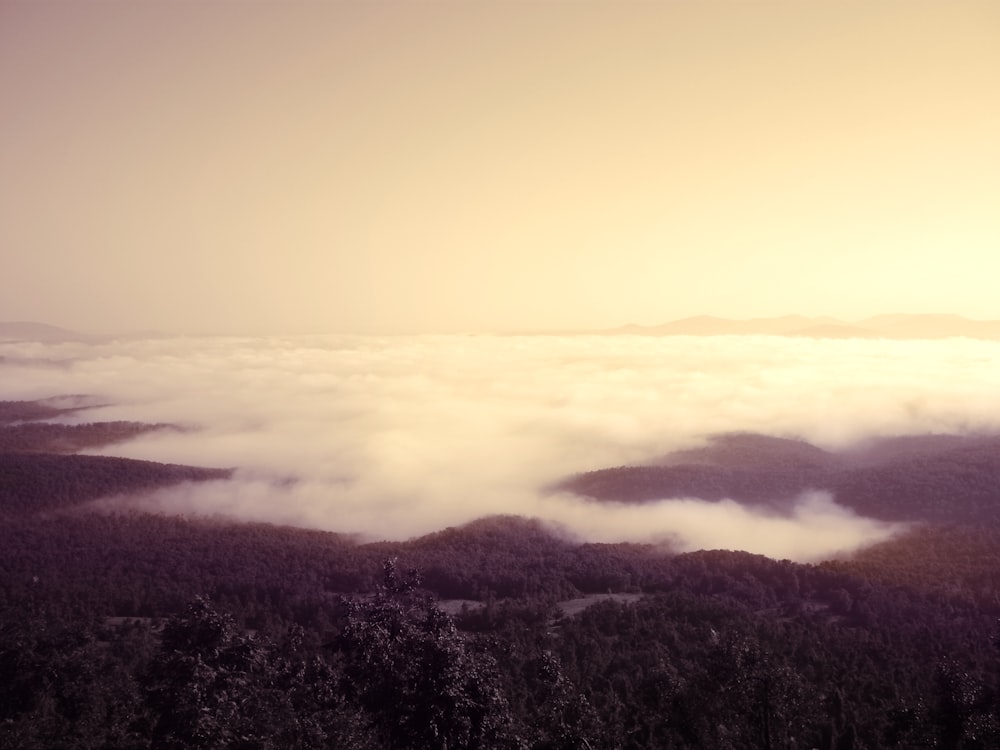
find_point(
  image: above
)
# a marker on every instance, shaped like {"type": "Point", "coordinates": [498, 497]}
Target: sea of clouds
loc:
{"type": "Point", "coordinates": [392, 437]}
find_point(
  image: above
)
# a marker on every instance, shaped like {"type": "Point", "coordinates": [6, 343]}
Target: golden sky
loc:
{"type": "Point", "coordinates": [485, 165]}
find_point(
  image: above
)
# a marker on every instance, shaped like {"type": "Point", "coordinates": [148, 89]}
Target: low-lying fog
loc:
{"type": "Point", "coordinates": [398, 436]}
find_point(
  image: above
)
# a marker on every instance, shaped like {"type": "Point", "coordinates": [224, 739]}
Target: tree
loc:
{"type": "Point", "coordinates": [742, 695]}
{"type": "Point", "coordinates": [59, 688]}
{"type": "Point", "coordinates": [963, 715]}
{"type": "Point", "coordinates": [214, 685]}
{"type": "Point", "coordinates": [423, 684]}
{"type": "Point", "coordinates": [201, 682]}
{"type": "Point", "coordinates": [565, 720]}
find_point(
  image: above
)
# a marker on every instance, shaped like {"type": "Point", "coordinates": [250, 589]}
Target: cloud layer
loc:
{"type": "Point", "coordinates": [397, 436]}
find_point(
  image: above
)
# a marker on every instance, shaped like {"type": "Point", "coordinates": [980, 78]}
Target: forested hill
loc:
{"type": "Point", "coordinates": [34, 482]}
{"type": "Point", "coordinates": [28, 427]}
{"type": "Point", "coordinates": [123, 629]}
{"type": "Point", "coordinates": [940, 478]}
{"type": "Point", "coordinates": [39, 470]}
{"type": "Point", "coordinates": [44, 437]}
{"type": "Point", "coordinates": [29, 411]}
{"type": "Point", "coordinates": [721, 644]}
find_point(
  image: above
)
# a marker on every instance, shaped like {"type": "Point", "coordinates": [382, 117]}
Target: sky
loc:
{"type": "Point", "coordinates": [434, 166]}
{"type": "Point", "coordinates": [390, 437]}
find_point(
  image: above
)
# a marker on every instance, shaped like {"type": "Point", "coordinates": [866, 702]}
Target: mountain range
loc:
{"type": "Point", "coordinates": [27, 330]}
{"type": "Point", "coordinates": [23, 330]}
{"type": "Point", "coordinates": [896, 326]}
{"type": "Point", "coordinates": [890, 326]}
{"type": "Point", "coordinates": [938, 478]}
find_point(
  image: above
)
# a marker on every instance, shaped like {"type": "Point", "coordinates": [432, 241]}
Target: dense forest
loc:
{"type": "Point", "coordinates": [22, 429]}
{"type": "Point", "coordinates": [121, 629]}
{"type": "Point", "coordinates": [941, 478]}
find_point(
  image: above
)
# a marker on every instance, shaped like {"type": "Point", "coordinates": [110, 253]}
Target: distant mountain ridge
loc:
{"type": "Point", "coordinates": [24, 330]}
{"type": "Point", "coordinates": [934, 477]}
{"type": "Point", "coordinates": [887, 326]}
{"type": "Point", "coordinates": [895, 326]}
{"type": "Point", "coordinates": [44, 333]}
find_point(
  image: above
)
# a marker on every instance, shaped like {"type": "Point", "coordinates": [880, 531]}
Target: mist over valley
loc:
{"type": "Point", "coordinates": [395, 437]}
{"type": "Point", "coordinates": [631, 541]}
{"type": "Point", "coordinates": [645, 540]}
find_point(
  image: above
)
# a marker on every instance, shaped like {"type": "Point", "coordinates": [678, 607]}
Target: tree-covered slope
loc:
{"type": "Point", "coordinates": [923, 478]}
{"type": "Point", "coordinates": [124, 629]}
{"type": "Point", "coordinates": [725, 650]}
{"type": "Point", "coordinates": [32, 482]}
{"type": "Point", "coordinates": [39, 470]}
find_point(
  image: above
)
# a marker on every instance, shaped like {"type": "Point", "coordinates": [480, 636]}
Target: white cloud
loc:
{"type": "Point", "coordinates": [398, 436]}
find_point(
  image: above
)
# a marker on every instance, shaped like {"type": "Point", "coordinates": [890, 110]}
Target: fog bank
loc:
{"type": "Point", "coordinates": [397, 436]}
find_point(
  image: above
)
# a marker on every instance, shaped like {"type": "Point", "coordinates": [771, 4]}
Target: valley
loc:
{"type": "Point", "coordinates": [617, 645]}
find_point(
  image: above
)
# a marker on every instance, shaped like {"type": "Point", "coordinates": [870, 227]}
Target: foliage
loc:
{"type": "Point", "coordinates": [410, 668]}
{"type": "Point", "coordinates": [304, 645]}
{"type": "Point", "coordinates": [939, 478]}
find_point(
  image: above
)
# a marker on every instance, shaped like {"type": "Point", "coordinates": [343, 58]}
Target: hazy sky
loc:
{"type": "Point", "coordinates": [440, 166]}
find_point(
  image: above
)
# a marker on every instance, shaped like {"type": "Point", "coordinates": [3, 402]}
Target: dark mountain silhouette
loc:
{"type": "Point", "coordinates": [32, 482]}
{"type": "Point", "coordinates": [43, 332]}
{"type": "Point", "coordinates": [37, 474]}
{"type": "Point", "coordinates": [24, 429]}
{"type": "Point", "coordinates": [942, 478]}
{"type": "Point", "coordinates": [38, 437]}
{"type": "Point", "coordinates": [31, 411]}
{"type": "Point", "coordinates": [752, 450]}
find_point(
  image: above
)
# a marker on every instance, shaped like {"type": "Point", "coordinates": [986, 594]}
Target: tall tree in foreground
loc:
{"type": "Point", "coordinates": [424, 685]}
